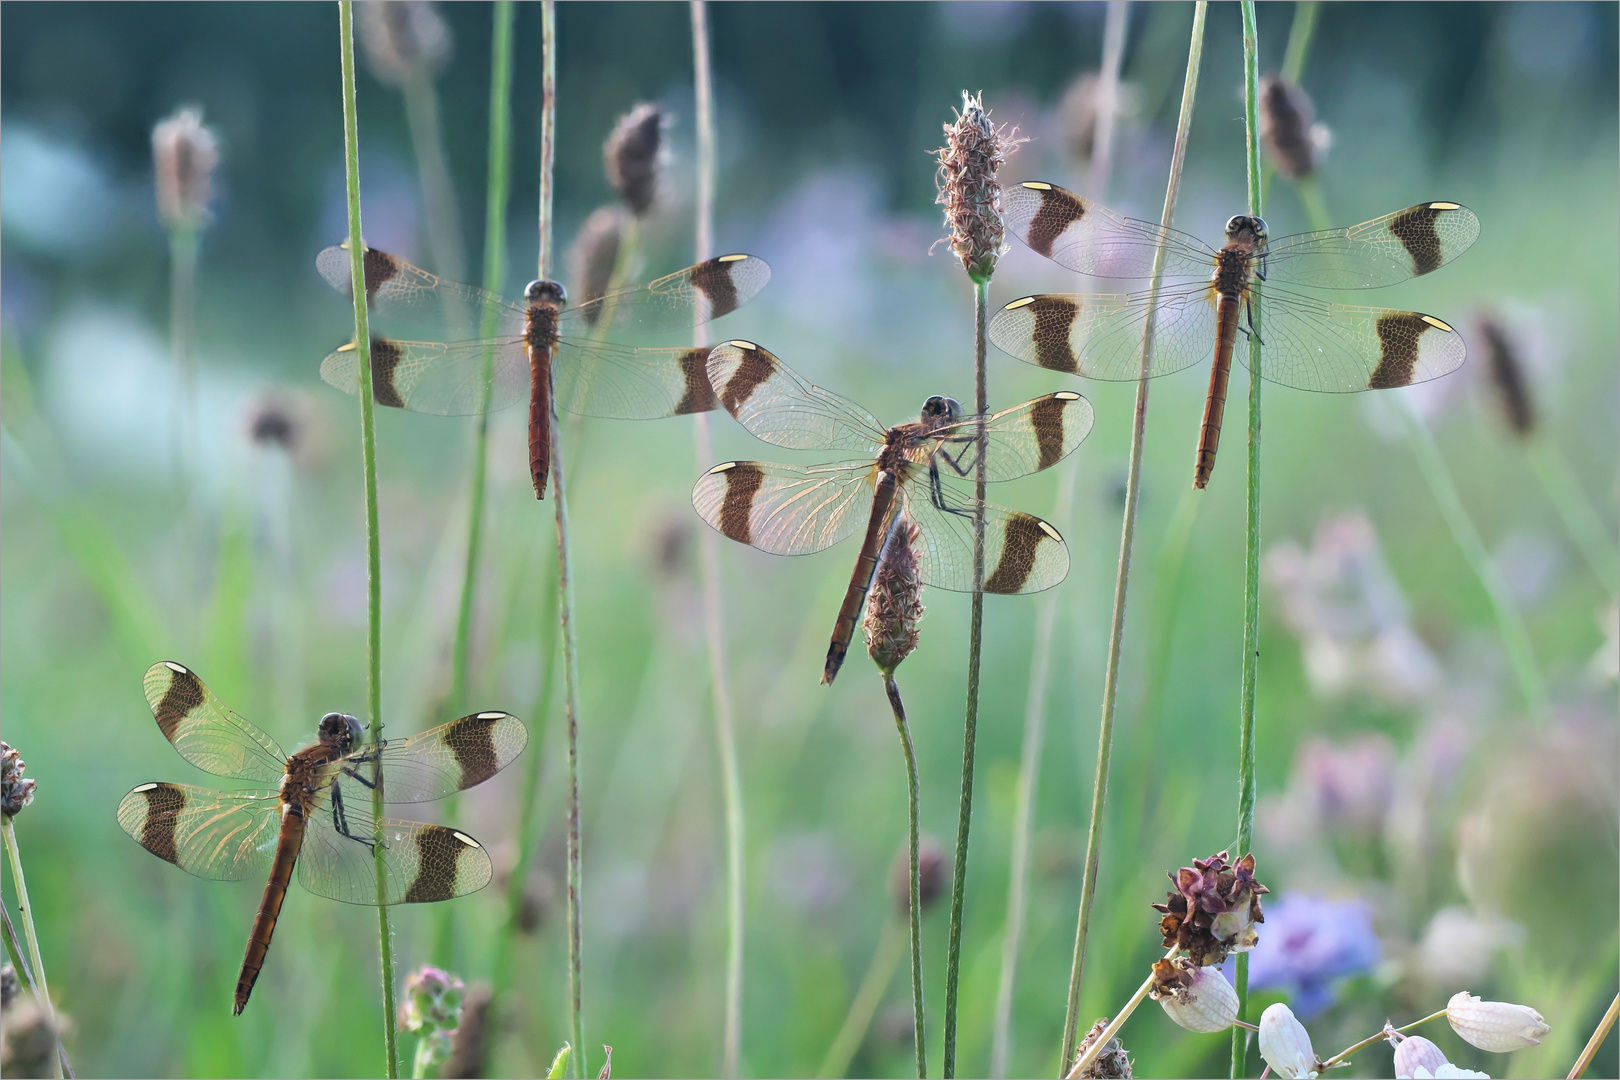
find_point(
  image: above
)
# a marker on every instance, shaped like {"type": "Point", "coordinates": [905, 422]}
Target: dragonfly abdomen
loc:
{"type": "Point", "coordinates": [860, 581]}
{"type": "Point", "coordinates": [1228, 309]}
{"type": "Point", "coordinates": [288, 845]}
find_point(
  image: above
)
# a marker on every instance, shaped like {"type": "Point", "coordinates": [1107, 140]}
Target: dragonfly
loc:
{"type": "Point", "coordinates": [318, 814]}
{"type": "Point", "coordinates": [543, 350]}
{"type": "Point", "coordinates": [1306, 342]}
{"type": "Point", "coordinates": [904, 471]}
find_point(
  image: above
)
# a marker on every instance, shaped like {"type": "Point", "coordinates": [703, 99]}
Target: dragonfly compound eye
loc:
{"type": "Point", "coordinates": [546, 292]}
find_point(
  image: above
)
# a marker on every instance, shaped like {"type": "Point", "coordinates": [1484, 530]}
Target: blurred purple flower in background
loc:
{"type": "Point", "coordinates": [1308, 942]}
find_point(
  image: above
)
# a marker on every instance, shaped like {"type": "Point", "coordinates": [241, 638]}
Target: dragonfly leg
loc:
{"type": "Point", "coordinates": [350, 770]}
{"type": "Point", "coordinates": [936, 494]}
{"type": "Point", "coordinates": [956, 463]}
{"type": "Point", "coordinates": [1248, 307]}
{"type": "Point", "coordinates": [340, 820]}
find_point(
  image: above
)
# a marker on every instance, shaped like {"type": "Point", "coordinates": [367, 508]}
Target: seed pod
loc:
{"type": "Point", "coordinates": [1414, 1052]}
{"type": "Point", "coordinates": [16, 791]}
{"type": "Point", "coordinates": [1113, 1063]}
{"type": "Point", "coordinates": [968, 189]}
{"type": "Point", "coordinates": [894, 606]}
{"type": "Point", "coordinates": [594, 253]}
{"type": "Point", "coordinates": [1286, 1045]}
{"type": "Point", "coordinates": [403, 39]}
{"type": "Point", "coordinates": [1507, 376]}
{"type": "Point", "coordinates": [184, 155]}
{"type": "Point", "coordinates": [1214, 909]}
{"type": "Point", "coordinates": [1196, 998]}
{"type": "Point", "coordinates": [1498, 1026]}
{"type": "Point", "coordinates": [632, 155]}
{"type": "Point", "coordinates": [1288, 128]}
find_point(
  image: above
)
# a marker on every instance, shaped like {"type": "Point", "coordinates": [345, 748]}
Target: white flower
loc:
{"type": "Point", "coordinates": [1498, 1026]}
{"type": "Point", "coordinates": [1286, 1045]}
{"type": "Point", "coordinates": [1448, 1071]}
{"type": "Point", "coordinates": [1206, 1004]}
{"type": "Point", "coordinates": [1416, 1058]}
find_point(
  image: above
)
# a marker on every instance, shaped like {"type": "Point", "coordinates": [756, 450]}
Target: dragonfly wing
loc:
{"type": "Point", "coordinates": [205, 732]}
{"type": "Point", "coordinates": [1408, 243]}
{"type": "Point", "coordinates": [443, 760]}
{"type": "Point", "coordinates": [422, 863]}
{"type": "Point", "coordinates": [1018, 441]}
{"type": "Point", "coordinates": [785, 509]}
{"type": "Point", "coordinates": [616, 381]}
{"type": "Point", "coordinates": [435, 377]}
{"type": "Point", "coordinates": [1336, 348]}
{"type": "Point", "coordinates": [1022, 553]}
{"type": "Point", "coordinates": [686, 298]}
{"type": "Point", "coordinates": [1100, 337]}
{"type": "Point", "coordinates": [1091, 239]}
{"type": "Point", "coordinates": [780, 406]}
{"type": "Point", "coordinates": [221, 835]}
{"type": "Point", "coordinates": [392, 284]}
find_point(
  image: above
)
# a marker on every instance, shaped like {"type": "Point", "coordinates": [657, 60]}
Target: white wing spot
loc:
{"type": "Point", "coordinates": [1066, 395]}
{"type": "Point", "coordinates": [1025, 302]}
{"type": "Point", "coordinates": [172, 666]}
{"type": "Point", "coordinates": [724, 467]}
{"type": "Point", "coordinates": [740, 344]}
{"type": "Point", "coordinates": [1036, 185]}
{"type": "Point", "coordinates": [465, 839]}
{"type": "Point", "coordinates": [1436, 323]}
{"type": "Point", "coordinates": [490, 715]}
{"type": "Point", "coordinates": [732, 258]}
{"type": "Point", "coordinates": [1445, 206]}
{"type": "Point", "coordinates": [144, 787]}
{"type": "Point", "coordinates": [1048, 530]}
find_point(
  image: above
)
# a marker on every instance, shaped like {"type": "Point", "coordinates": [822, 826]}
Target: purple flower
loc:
{"type": "Point", "coordinates": [1308, 943]}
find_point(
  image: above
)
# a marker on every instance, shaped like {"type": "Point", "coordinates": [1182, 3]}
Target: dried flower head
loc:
{"type": "Point", "coordinates": [594, 253]}
{"type": "Point", "coordinates": [469, 1047]}
{"type": "Point", "coordinates": [403, 39]}
{"type": "Point", "coordinates": [1196, 998]}
{"type": "Point", "coordinates": [1112, 1062]}
{"type": "Point", "coordinates": [633, 154]}
{"type": "Point", "coordinates": [1507, 375]}
{"type": "Point", "coordinates": [1286, 1045]}
{"type": "Point", "coordinates": [930, 875]}
{"type": "Point", "coordinates": [1498, 1026]}
{"type": "Point", "coordinates": [1082, 105]}
{"type": "Point", "coordinates": [968, 189]}
{"type": "Point", "coordinates": [1213, 909]}
{"type": "Point", "coordinates": [8, 985]}
{"type": "Point", "coordinates": [28, 1039]}
{"type": "Point", "coordinates": [1288, 128]}
{"type": "Point", "coordinates": [16, 791]}
{"type": "Point", "coordinates": [184, 156]}
{"type": "Point", "coordinates": [894, 606]}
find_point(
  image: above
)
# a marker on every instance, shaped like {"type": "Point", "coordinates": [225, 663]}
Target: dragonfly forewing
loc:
{"type": "Point", "coordinates": [1101, 336]}
{"type": "Point", "coordinates": [1018, 441]}
{"type": "Point", "coordinates": [1091, 239]}
{"type": "Point", "coordinates": [779, 406]}
{"type": "Point", "coordinates": [204, 731]}
{"type": "Point", "coordinates": [1406, 244]}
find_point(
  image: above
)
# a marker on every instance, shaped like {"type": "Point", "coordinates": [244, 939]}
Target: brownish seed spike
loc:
{"type": "Point", "coordinates": [380, 268]}
{"type": "Point", "coordinates": [1398, 334]}
{"type": "Point", "coordinates": [742, 484]}
{"type": "Point", "coordinates": [757, 366]}
{"type": "Point", "coordinates": [699, 395]}
{"type": "Point", "coordinates": [471, 740]}
{"type": "Point", "coordinates": [1054, 317]}
{"type": "Point", "coordinates": [1059, 209]}
{"type": "Point", "coordinates": [439, 852]}
{"type": "Point", "coordinates": [1507, 375]}
{"type": "Point", "coordinates": [163, 805]}
{"type": "Point", "coordinates": [1047, 420]}
{"type": "Point", "coordinates": [713, 279]}
{"type": "Point", "coordinates": [185, 693]}
{"type": "Point", "coordinates": [1414, 228]}
{"type": "Point", "coordinates": [1024, 535]}
{"type": "Point", "coordinates": [384, 360]}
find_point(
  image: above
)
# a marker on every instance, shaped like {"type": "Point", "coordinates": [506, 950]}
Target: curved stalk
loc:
{"type": "Point", "coordinates": [25, 909]}
{"type": "Point", "coordinates": [1602, 1032]}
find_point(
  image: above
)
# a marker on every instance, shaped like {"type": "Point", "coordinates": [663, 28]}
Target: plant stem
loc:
{"type": "Point", "coordinates": [183, 245]}
{"type": "Point", "coordinates": [920, 1031]}
{"type": "Point", "coordinates": [14, 949]}
{"type": "Point", "coordinates": [1299, 39]}
{"type": "Point", "coordinates": [970, 727]}
{"type": "Point", "coordinates": [1602, 1032]}
{"type": "Point", "coordinates": [1347, 1051]}
{"type": "Point", "coordinates": [1558, 480]}
{"type": "Point", "coordinates": [1105, 733]}
{"type": "Point", "coordinates": [1251, 551]}
{"type": "Point", "coordinates": [1113, 1027]}
{"type": "Point", "coordinates": [368, 460]}
{"type": "Point", "coordinates": [438, 194]}
{"type": "Point", "coordinates": [714, 629]}
{"type": "Point", "coordinates": [891, 947]}
{"type": "Point", "coordinates": [25, 910]}
{"type": "Point", "coordinates": [1509, 623]}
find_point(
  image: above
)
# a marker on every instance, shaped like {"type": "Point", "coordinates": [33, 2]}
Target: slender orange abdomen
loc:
{"type": "Point", "coordinates": [861, 580]}
{"type": "Point", "coordinates": [1227, 309]}
{"type": "Point", "coordinates": [288, 844]}
{"type": "Point", "coordinates": [539, 418]}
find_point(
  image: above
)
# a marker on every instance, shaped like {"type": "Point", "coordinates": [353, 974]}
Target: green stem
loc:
{"type": "Point", "coordinates": [1509, 623]}
{"type": "Point", "coordinates": [891, 947]}
{"type": "Point", "coordinates": [1299, 39]}
{"type": "Point", "coordinates": [183, 245]}
{"type": "Point", "coordinates": [1105, 733]}
{"type": "Point", "coordinates": [1347, 1051]}
{"type": "Point", "coordinates": [25, 910]}
{"type": "Point", "coordinates": [368, 459]}
{"type": "Point", "coordinates": [920, 1030]}
{"type": "Point", "coordinates": [1113, 1027]}
{"type": "Point", "coordinates": [714, 628]}
{"type": "Point", "coordinates": [1251, 551]}
{"type": "Point", "coordinates": [1590, 534]}
{"type": "Point", "coordinates": [438, 194]}
{"type": "Point", "coordinates": [970, 726]}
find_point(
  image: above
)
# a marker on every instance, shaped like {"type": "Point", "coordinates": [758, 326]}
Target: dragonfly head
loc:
{"type": "Point", "coordinates": [941, 410]}
{"type": "Point", "coordinates": [1250, 231]}
{"type": "Point", "coordinates": [341, 730]}
{"type": "Point", "coordinates": [546, 292]}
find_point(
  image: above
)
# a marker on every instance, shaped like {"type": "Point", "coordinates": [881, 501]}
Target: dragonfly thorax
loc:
{"type": "Point", "coordinates": [546, 292]}
{"type": "Point", "coordinates": [341, 731]}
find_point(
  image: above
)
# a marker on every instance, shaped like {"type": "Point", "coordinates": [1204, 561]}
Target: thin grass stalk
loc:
{"type": "Point", "coordinates": [1046, 615]}
{"type": "Point", "coordinates": [1107, 1033]}
{"type": "Point", "coordinates": [14, 950]}
{"type": "Point", "coordinates": [368, 460]}
{"type": "Point", "coordinates": [1105, 733]}
{"type": "Point", "coordinates": [1564, 491]}
{"type": "Point", "coordinates": [438, 193]}
{"type": "Point", "coordinates": [863, 1007]}
{"type": "Point", "coordinates": [1602, 1032]}
{"type": "Point", "coordinates": [183, 247]}
{"type": "Point", "coordinates": [920, 1031]}
{"type": "Point", "coordinates": [25, 910]}
{"type": "Point", "coordinates": [970, 726]}
{"type": "Point", "coordinates": [714, 628]}
{"type": "Point", "coordinates": [1251, 551]}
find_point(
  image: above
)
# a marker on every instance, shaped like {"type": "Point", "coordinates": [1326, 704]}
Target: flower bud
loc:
{"type": "Point", "coordinates": [1414, 1052]}
{"type": "Point", "coordinates": [16, 790]}
{"type": "Point", "coordinates": [1196, 998]}
{"type": "Point", "coordinates": [1498, 1026]}
{"type": "Point", "coordinates": [184, 155]}
{"type": "Point", "coordinates": [1286, 1045]}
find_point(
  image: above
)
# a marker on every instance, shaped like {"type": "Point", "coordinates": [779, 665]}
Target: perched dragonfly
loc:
{"type": "Point", "coordinates": [319, 814]}
{"type": "Point", "coordinates": [1306, 343]}
{"type": "Point", "coordinates": [543, 350]}
{"type": "Point", "coordinates": [795, 509]}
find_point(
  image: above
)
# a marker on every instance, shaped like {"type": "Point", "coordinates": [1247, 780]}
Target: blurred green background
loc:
{"type": "Point", "coordinates": [1399, 771]}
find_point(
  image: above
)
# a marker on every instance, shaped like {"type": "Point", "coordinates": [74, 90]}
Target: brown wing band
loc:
{"type": "Point", "coordinates": [742, 484]}
{"type": "Point", "coordinates": [1398, 335]}
{"type": "Point", "coordinates": [699, 396]}
{"type": "Point", "coordinates": [1414, 228]}
{"type": "Point", "coordinates": [1024, 535]}
{"type": "Point", "coordinates": [1059, 209]}
{"type": "Point", "coordinates": [185, 693]}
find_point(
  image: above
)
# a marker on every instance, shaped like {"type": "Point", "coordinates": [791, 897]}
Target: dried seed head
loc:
{"type": "Point", "coordinates": [1498, 1026]}
{"type": "Point", "coordinates": [968, 189]}
{"type": "Point", "coordinates": [1214, 909]}
{"type": "Point", "coordinates": [8, 985]}
{"type": "Point", "coordinates": [1113, 1062]}
{"type": "Point", "coordinates": [593, 255]}
{"type": "Point", "coordinates": [1507, 375]}
{"type": "Point", "coordinates": [633, 154]}
{"type": "Point", "coordinates": [184, 155]}
{"type": "Point", "coordinates": [1082, 104]}
{"type": "Point", "coordinates": [1286, 1045]}
{"type": "Point", "coordinates": [16, 791]}
{"type": "Point", "coordinates": [469, 1047]}
{"type": "Point", "coordinates": [1288, 129]}
{"type": "Point", "coordinates": [403, 39]}
{"type": "Point", "coordinates": [894, 606]}
{"type": "Point", "coordinates": [28, 1039]}
{"type": "Point", "coordinates": [930, 876]}
{"type": "Point", "coordinates": [1196, 998]}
